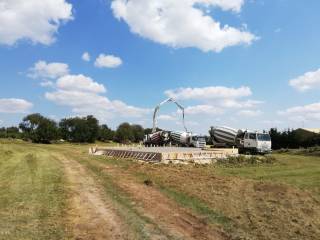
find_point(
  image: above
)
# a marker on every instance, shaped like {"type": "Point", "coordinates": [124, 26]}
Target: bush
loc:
{"type": "Point", "coordinates": [242, 160]}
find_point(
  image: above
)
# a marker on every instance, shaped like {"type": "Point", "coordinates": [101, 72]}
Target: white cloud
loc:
{"type": "Point", "coordinates": [209, 93]}
{"type": "Point", "coordinates": [236, 103]}
{"type": "Point", "coordinates": [203, 109]}
{"type": "Point", "coordinates": [35, 20]}
{"type": "Point", "coordinates": [249, 113]}
{"type": "Point", "coordinates": [83, 95]}
{"type": "Point", "coordinates": [226, 5]}
{"type": "Point", "coordinates": [303, 113]}
{"type": "Point", "coordinates": [182, 23]}
{"type": "Point", "coordinates": [167, 117]}
{"type": "Point", "coordinates": [107, 61]}
{"type": "Point", "coordinates": [86, 57]}
{"type": "Point", "coordinates": [47, 84]}
{"type": "Point", "coordinates": [92, 103]}
{"type": "Point", "coordinates": [272, 123]}
{"type": "Point", "coordinates": [308, 81]}
{"type": "Point", "coordinates": [216, 101]}
{"type": "Point", "coordinates": [79, 83]}
{"type": "Point", "coordinates": [14, 105]}
{"type": "Point", "coordinates": [44, 70]}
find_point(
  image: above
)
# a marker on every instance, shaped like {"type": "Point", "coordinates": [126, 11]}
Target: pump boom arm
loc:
{"type": "Point", "coordinates": [156, 110]}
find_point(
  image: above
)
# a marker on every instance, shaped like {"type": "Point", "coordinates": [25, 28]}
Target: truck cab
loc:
{"type": "Point", "coordinates": [256, 142]}
{"type": "Point", "coordinates": [198, 141]}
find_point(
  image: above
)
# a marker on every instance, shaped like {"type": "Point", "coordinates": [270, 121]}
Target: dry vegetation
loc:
{"type": "Point", "coordinates": [59, 192]}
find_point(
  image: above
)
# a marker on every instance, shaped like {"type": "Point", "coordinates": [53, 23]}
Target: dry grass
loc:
{"type": "Point", "coordinates": [276, 200]}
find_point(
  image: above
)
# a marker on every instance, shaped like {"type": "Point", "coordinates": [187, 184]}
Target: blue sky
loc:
{"type": "Point", "coordinates": [261, 71]}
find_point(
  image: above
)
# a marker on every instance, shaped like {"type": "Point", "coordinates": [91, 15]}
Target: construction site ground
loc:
{"type": "Point", "coordinates": [165, 154]}
{"type": "Point", "coordinates": [61, 192]}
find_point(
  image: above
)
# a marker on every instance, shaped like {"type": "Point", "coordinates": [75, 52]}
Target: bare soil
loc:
{"type": "Point", "coordinates": [259, 210]}
{"type": "Point", "coordinates": [176, 221]}
{"type": "Point", "coordinates": [91, 216]}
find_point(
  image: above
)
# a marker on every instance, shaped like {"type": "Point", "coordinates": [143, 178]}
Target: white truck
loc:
{"type": "Point", "coordinates": [246, 141]}
{"type": "Point", "coordinates": [187, 139]}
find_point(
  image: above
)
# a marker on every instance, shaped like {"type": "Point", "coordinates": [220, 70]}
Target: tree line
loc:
{"type": "Point", "coordinates": [290, 138]}
{"type": "Point", "coordinates": [39, 129]}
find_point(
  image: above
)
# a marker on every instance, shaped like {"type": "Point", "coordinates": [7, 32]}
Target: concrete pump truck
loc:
{"type": "Point", "coordinates": [164, 138]}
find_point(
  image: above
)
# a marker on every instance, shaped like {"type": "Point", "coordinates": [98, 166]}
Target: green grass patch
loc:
{"type": "Point", "coordinates": [32, 196]}
{"type": "Point", "coordinates": [198, 206]}
{"type": "Point", "coordinates": [297, 170]}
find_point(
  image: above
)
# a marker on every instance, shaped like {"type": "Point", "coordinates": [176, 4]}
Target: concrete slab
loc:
{"type": "Point", "coordinates": [166, 154]}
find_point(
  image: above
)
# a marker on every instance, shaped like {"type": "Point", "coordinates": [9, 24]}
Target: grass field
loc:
{"type": "Point", "coordinates": [60, 192]}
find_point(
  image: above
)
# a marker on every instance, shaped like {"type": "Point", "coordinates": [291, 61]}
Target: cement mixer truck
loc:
{"type": "Point", "coordinates": [160, 138]}
{"type": "Point", "coordinates": [187, 139]}
{"type": "Point", "coordinates": [252, 142]}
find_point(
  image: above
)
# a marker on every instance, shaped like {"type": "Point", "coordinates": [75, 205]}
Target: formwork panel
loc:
{"type": "Point", "coordinates": [165, 154]}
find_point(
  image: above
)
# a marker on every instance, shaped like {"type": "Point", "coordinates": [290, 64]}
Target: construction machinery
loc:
{"type": "Point", "coordinates": [163, 138]}
{"type": "Point", "coordinates": [159, 138]}
{"type": "Point", "coordinates": [187, 139]}
{"type": "Point", "coordinates": [246, 141]}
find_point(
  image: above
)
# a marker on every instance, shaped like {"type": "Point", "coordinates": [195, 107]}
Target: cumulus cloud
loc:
{"type": "Point", "coordinates": [249, 113]}
{"type": "Point", "coordinates": [43, 70]}
{"type": "Point", "coordinates": [203, 109]}
{"type": "Point", "coordinates": [182, 23]}
{"type": "Point", "coordinates": [35, 20]}
{"type": "Point", "coordinates": [14, 105]}
{"type": "Point", "coordinates": [167, 117]}
{"type": "Point", "coordinates": [84, 96]}
{"type": "Point", "coordinates": [92, 103]}
{"type": "Point", "coordinates": [308, 81]}
{"type": "Point", "coordinates": [80, 83]}
{"type": "Point", "coordinates": [86, 57]}
{"type": "Point", "coordinates": [217, 100]}
{"type": "Point", "coordinates": [236, 103]}
{"type": "Point", "coordinates": [208, 93]}
{"type": "Point", "coordinates": [47, 84]}
{"type": "Point", "coordinates": [303, 113]}
{"type": "Point", "coordinates": [107, 61]}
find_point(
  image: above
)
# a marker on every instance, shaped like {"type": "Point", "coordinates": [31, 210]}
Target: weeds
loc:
{"type": "Point", "coordinates": [242, 160]}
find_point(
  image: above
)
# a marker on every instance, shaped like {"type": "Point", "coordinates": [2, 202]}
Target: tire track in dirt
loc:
{"type": "Point", "coordinates": [171, 218]}
{"type": "Point", "coordinates": [90, 216]}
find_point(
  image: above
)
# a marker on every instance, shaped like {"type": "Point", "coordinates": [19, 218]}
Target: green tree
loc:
{"type": "Point", "coordinates": [105, 133]}
{"type": "Point", "coordinates": [124, 133]}
{"type": "Point", "coordinates": [78, 129]}
{"type": "Point", "coordinates": [39, 129]}
{"type": "Point", "coordinates": [13, 132]}
{"type": "Point", "coordinates": [3, 132]}
{"type": "Point", "coordinates": [138, 132]}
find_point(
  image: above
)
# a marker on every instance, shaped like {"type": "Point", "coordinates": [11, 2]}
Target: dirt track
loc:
{"type": "Point", "coordinates": [174, 220]}
{"type": "Point", "coordinates": [93, 216]}
{"type": "Point", "coordinates": [90, 216]}
{"type": "Point", "coordinates": [257, 210]}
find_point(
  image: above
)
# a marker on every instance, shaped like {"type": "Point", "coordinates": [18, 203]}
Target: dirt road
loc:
{"type": "Point", "coordinates": [93, 215]}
